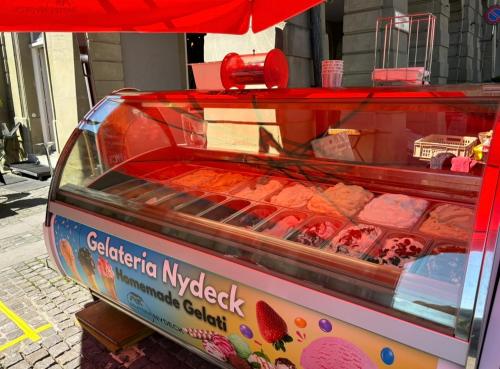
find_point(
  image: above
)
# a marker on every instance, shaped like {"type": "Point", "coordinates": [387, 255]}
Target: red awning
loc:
{"type": "Point", "coordinates": [203, 16]}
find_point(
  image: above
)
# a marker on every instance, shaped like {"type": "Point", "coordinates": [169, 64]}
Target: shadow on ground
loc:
{"type": "Point", "coordinates": [10, 204]}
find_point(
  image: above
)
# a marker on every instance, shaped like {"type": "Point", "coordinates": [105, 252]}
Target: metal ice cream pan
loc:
{"type": "Point", "coordinates": [123, 187]}
{"type": "Point", "coordinates": [375, 250]}
{"type": "Point", "coordinates": [336, 223]}
{"type": "Point", "coordinates": [276, 217]}
{"type": "Point", "coordinates": [236, 220]}
{"type": "Point", "coordinates": [350, 224]}
{"type": "Point", "coordinates": [225, 210]}
{"type": "Point", "coordinates": [198, 206]}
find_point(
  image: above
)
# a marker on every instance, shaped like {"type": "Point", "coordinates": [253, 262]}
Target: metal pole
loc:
{"type": "Point", "coordinates": [416, 42]}
{"type": "Point", "coordinates": [410, 20]}
{"type": "Point", "coordinates": [397, 50]}
{"type": "Point", "coordinates": [376, 45]}
{"type": "Point", "coordinates": [385, 45]}
{"type": "Point", "coordinates": [427, 38]}
{"type": "Point", "coordinates": [493, 51]}
{"type": "Point", "coordinates": [391, 25]}
{"type": "Point", "coordinates": [317, 45]}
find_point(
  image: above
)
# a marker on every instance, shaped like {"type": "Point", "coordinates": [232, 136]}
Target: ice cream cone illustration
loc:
{"type": "Point", "coordinates": [88, 266]}
{"type": "Point", "coordinates": [69, 258]}
{"type": "Point", "coordinates": [108, 277]}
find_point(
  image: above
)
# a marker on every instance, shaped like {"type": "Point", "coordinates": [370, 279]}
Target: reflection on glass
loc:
{"type": "Point", "coordinates": [342, 181]}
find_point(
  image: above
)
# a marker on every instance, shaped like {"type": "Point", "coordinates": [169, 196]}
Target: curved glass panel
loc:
{"type": "Point", "coordinates": [370, 196]}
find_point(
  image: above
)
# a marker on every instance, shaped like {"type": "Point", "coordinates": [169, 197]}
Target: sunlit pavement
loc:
{"type": "Point", "coordinates": [37, 306]}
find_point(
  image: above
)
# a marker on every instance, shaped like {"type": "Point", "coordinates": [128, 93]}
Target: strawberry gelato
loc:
{"type": "Point", "coordinates": [334, 353]}
{"type": "Point", "coordinates": [224, 345]}
{"type": "Point", "coordinates": [107, 276]}
{"type": "Point", "coordinates": [355, 240]}
{"type": "Point", "coordinates": [213, 350]}
{"type": "Point", "coordinates": [315, 233]}
{"type": "Point", "coordinates": [282, 226]}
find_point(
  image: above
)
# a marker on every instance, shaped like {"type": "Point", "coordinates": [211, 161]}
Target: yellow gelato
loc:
{"type": "Point", "coordinates": [340, 200]}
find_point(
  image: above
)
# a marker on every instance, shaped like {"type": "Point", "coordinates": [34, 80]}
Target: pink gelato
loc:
{"type": "Point", "coordinates": [105, 269]}
{"type": "Point", "coordinates": [213, 350]}
{"type": "Point", "coordinates": [334, 353]}
{"type": "Point", "coordinates": [224, 345]}
{"type": "Point", "coordinates": [283, 226]}
{"type": "Point", "coordinates": [264, 364]}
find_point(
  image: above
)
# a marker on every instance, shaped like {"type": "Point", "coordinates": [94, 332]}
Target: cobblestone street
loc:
{"type": "Point", "coordinates": [46, 302]}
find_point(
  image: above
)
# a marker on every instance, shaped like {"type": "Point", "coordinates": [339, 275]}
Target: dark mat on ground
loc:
{"type": "Point", "coordinates": [11, 179]}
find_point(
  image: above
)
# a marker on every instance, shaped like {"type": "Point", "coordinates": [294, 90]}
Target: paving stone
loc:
{"type": "Point", "coordinates": [36, 356]}
{"type": "Point", "coordinates": [47, 332]}
{"type": "Point", "coordinates": [74, 339]}
{"type": "Point", "coordinates": [140, 363]}
{"type": "Point", "coordinates": [59, 349]}
{"type": "Point", "coordinates": [20, 365]}
{"type": "Point", "coordinates": [61, 317]}
{"type": "Point", "coordinates": [44, 364]}
{"type": "Point", "coordinates": [40, 295]}
{"type": "Point", "coordinates": [70, 331]}
{"type": "Point", "coordinates": [57, 366]}
{"type": "Point", "coordinates": [73, 309]}
{"type": "Point", "coordinates": [51, 341]}
{"type": "Point", "coordinates": [11, 359]}
{"type": "Point", "coordinates": [30, 348]}
{"type": "Point", "coordinates": [67, 357]}
{"type": "Point", "coordinates": [73, 364]}
{"type": "Point", "coordinates": [66, 324]}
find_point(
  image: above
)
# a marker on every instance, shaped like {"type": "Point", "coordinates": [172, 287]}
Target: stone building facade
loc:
{"type": "Point", "coordinates": [42, 82]}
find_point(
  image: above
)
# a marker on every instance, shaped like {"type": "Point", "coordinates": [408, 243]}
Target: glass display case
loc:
{"type": "Point", "coordinates": [290, 228]}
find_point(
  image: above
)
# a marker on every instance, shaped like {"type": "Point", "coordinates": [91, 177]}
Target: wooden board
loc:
{"type": "Point", "coordinates": [111, 327]}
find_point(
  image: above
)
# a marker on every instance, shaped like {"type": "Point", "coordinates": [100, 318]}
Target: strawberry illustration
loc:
{"type": "Point", "coordinates": [272, 327]}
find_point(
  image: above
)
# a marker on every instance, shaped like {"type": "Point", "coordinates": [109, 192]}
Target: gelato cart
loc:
{"type": "Point", "coordinates": [292, 228]}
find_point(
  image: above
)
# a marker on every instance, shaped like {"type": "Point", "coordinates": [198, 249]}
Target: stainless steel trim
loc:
{"type": "Point", "coordinates": [489, 354]}
{"type": "Point", "coordinates": [484, 301]}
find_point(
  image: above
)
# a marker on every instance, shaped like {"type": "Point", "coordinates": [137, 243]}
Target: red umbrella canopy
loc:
{"type": "Point", "coordinates": [203, 16]}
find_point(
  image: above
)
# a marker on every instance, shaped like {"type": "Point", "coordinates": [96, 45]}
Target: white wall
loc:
{"type": "Point", "coordinates": [217, 46]}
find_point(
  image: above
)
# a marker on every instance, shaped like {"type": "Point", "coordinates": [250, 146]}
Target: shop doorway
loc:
{"type": "Point", "coordinates": [334, 16]}
{"type": "Point", "coordinates": [43, 92]}
{"type": "Point", "coordinates": [195, 50]}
